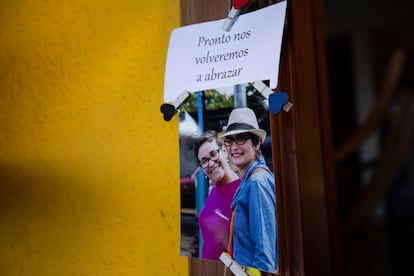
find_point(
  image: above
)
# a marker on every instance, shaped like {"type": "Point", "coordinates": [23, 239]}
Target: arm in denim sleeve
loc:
{"type": "Point", "coordinates": [262, 220]}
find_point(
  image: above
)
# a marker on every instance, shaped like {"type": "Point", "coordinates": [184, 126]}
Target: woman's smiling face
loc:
{"type": "Point", "coordinates": [211, 153]}
{"type": "Point", "coordinates": [242, 151]}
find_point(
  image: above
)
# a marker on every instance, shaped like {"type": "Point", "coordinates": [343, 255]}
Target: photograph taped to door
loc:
{"type": "Point", "coordinates": [205, 222]}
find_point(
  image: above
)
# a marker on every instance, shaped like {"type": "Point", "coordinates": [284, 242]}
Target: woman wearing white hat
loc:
{"type": "Point", "coordinates": [254, 205]}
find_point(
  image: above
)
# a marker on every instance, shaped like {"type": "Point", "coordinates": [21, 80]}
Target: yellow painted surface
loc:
{"type": "Point", "coordinates": [89, 169]}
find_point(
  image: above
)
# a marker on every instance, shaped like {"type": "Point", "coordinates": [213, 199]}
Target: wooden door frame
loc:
{"type": "Point", "coordinates": [301, 143]}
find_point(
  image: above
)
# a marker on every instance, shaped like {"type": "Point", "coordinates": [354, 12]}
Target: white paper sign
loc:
{"type": "Point", "coordinates": [203, 56]}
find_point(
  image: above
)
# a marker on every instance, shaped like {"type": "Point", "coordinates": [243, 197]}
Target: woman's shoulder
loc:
{"type": "Point", "coordinates": [262, 171]}
{"type": "Point", "coordinates": [263, 176]}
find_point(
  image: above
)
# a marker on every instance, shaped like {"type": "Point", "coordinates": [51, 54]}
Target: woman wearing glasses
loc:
{"type": "Point", "coordinates": [214, 219]}
{"type": "Point", "coordinates": [254, 206]}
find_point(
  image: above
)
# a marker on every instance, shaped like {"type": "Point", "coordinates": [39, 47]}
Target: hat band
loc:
{"type": "Point", "coordinates": [239, 126]}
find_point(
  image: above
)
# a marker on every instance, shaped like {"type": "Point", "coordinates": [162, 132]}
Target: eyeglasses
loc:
{"type": "Point", "coordinates": [214, 155]}
{"type": "Point", "coordinates": [239, 140]}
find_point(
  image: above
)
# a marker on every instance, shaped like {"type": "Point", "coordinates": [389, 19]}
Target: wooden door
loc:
{"type": "Point", "coordinates": [301, 143]}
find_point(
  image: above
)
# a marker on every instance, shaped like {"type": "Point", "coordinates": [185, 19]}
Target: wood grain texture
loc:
{"type": "Point", "coordinates": [301, 143]}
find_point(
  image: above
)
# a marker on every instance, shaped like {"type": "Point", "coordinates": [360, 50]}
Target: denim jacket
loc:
{"type": "Point", "coordinates": [255, 227]}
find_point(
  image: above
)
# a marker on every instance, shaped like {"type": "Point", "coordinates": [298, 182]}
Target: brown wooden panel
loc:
{"type": "Point", "coordinates": [309, 155]}
{"type": "Point", "coordinates": [301, 143]}
{"type": "Point", "coordinates": [205, 267]}
{"type": "Point", "coordinates": [196, 11]}
{"type": "Point", "coordinates": [328, 155]}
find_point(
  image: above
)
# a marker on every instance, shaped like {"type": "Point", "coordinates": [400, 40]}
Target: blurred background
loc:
{"type": "Point", "coordinates": [370, 48]}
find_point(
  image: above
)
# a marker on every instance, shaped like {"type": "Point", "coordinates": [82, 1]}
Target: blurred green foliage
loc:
{"type": "Point", "coordinates": [213, 100]}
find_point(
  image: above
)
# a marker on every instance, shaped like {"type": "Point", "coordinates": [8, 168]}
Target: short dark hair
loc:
{"type": "Point", "coordinates": [207, 136]}
{"type": "Point", "coordinates": [254, 138]}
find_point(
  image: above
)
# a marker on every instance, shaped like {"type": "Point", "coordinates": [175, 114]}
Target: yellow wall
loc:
{"type": "Point", "coordinates": [88, 167]}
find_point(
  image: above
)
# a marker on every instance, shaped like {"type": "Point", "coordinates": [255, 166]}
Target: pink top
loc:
{"type": "Point", "coordinates": [214, 220]}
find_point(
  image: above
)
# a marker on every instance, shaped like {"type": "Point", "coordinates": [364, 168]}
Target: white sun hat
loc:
{"type": "Point", "coordinates": [243, 120]}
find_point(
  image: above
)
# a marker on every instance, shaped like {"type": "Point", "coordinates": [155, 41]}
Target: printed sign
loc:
{"type": "Point", "coordinates": [203, 56]}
